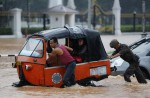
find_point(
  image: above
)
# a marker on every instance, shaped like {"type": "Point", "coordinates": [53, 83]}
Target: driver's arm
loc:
{"type": "Point", "coordinates": [53, 57]}
{"type": "Point", "coordinates": [55, 52]}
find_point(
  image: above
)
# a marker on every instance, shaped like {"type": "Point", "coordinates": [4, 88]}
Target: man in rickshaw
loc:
{"type": "Point", "coordinates": [79, 52]}
{"type": "Point", "coordinates": [65, 59]}
{"type": "Point", "coordinates": [82, 49]}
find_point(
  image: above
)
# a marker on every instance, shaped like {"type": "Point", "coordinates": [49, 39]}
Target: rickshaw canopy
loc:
{"type": "Point", "coordinates": [95, 46]}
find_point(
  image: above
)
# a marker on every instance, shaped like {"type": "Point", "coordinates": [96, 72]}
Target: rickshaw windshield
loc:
{"type": "Point", "coordinates": [33, 48]}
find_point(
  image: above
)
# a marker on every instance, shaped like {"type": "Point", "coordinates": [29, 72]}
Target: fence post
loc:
{"type": "Point", "coordinates": [116, 11]}
{"type": "Point", "coordinates": [16, 25]}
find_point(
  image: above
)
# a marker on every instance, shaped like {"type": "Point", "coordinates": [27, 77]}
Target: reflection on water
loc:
{"type": "Point", "coordinates": [112, 87]}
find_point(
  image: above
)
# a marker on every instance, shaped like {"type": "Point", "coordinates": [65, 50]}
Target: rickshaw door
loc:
{"type": "Point", "coordinates": [33, 60]}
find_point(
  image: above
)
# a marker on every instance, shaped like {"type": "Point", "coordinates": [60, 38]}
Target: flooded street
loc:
{"type": "Point", "coordinates": [113, 87]}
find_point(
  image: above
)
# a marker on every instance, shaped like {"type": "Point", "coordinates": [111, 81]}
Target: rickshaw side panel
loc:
{"type": "Point", "coordinates": [35, 75]}
{"type": "Point", "coordinates": [54, 76]}
{"type": "Point", "coordinates": [87, 70]}
{"type": "Point", "coordinates": [82, 71]}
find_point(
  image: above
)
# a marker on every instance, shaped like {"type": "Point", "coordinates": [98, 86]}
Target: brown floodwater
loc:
{"type": "Point", "coordinates": [112, 87]}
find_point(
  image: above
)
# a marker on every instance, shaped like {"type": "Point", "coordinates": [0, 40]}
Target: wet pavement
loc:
{"type": "Point", "coordinates": [112, 87]}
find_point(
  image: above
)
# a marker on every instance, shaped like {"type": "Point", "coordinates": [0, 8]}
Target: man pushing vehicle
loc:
{"type": "Point", "coordinates": [65, 59]}
{"type": "Point", "coordinates": [126, 54]}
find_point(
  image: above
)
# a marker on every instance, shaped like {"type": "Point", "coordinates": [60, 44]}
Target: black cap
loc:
{"type": "Point", "coordinates": [114, 43]}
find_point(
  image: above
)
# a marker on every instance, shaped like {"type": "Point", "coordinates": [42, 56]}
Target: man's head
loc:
{"type": "Point", "coordinates": [53, 42]}
{"type": "Point", "coordinates": [114, 43]}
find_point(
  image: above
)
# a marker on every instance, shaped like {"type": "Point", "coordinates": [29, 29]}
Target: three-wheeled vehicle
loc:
{"type": "Point", "coordinates": [31, 61]}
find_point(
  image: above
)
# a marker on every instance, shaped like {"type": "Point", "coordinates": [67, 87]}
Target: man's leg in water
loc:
{"type": "Point", "coordinates": [69, 74]}
{"type": "Point", "coordinates": [128, 73]}
{"type": "Point", "coordinates": [22, 81]}
{"type": "Point", "coordinates": [139, 75]}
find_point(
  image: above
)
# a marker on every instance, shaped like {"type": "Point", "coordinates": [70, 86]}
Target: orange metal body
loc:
{"type": "Point", "coordinates": [36, 72]}
{"type": "Point", "coordinates": [43, 76]}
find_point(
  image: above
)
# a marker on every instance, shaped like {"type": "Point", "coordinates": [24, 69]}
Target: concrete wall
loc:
{"type": "Point", "coordinates": [57, 20]}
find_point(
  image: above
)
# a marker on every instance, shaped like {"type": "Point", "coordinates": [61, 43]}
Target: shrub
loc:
{"type": "Point", "coordinates": [138, 28]}
{"type": "Point", "coordinates": [6, 31]}
{"type": "Point", "coordinates": [105, 30]}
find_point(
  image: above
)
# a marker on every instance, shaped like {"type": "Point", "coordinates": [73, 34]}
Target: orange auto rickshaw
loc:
{"type": "Point", "coordinates": [32, 66]}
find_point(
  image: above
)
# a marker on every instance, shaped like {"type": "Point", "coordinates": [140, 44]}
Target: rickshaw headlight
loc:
{"type": "Point", "coordinates": [28, 67]}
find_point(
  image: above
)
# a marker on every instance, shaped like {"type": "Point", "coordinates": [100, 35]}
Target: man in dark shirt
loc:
{"type": "Point", "coordinates": [82, 49]}
{"type": "Point", "coordinates": [126, 54]}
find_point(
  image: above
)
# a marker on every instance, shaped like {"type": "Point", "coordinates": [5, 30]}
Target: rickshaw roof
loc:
{"type": "Point", "coordinates": [96, 49]}
{"type": "Point", "coordinates": [66, 32]}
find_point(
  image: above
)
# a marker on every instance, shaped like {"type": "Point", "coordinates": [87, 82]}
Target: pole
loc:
{"type": "Point", "coordinates": [44, 21]}
{"type": "Point", "coordinates": [89, 14]}
{"type": "Point", "coordinates": [143, 9]}
{"type": "Point", "coordinates": [1, 10]}
{"type": "Point", "coordinates": [94, 16]}
{"type": "Point", "coordinates": [134, 20]}
{"type": "Point", "coordinates": [143, 19]}
{"type": "Point", "coordinates": [117, 13]}
{"type": "Point", "coordinates": [28, 15]}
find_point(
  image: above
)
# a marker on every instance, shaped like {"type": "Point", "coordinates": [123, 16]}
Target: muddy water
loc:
{"type": "Point", "coordinates": [112, 87]}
